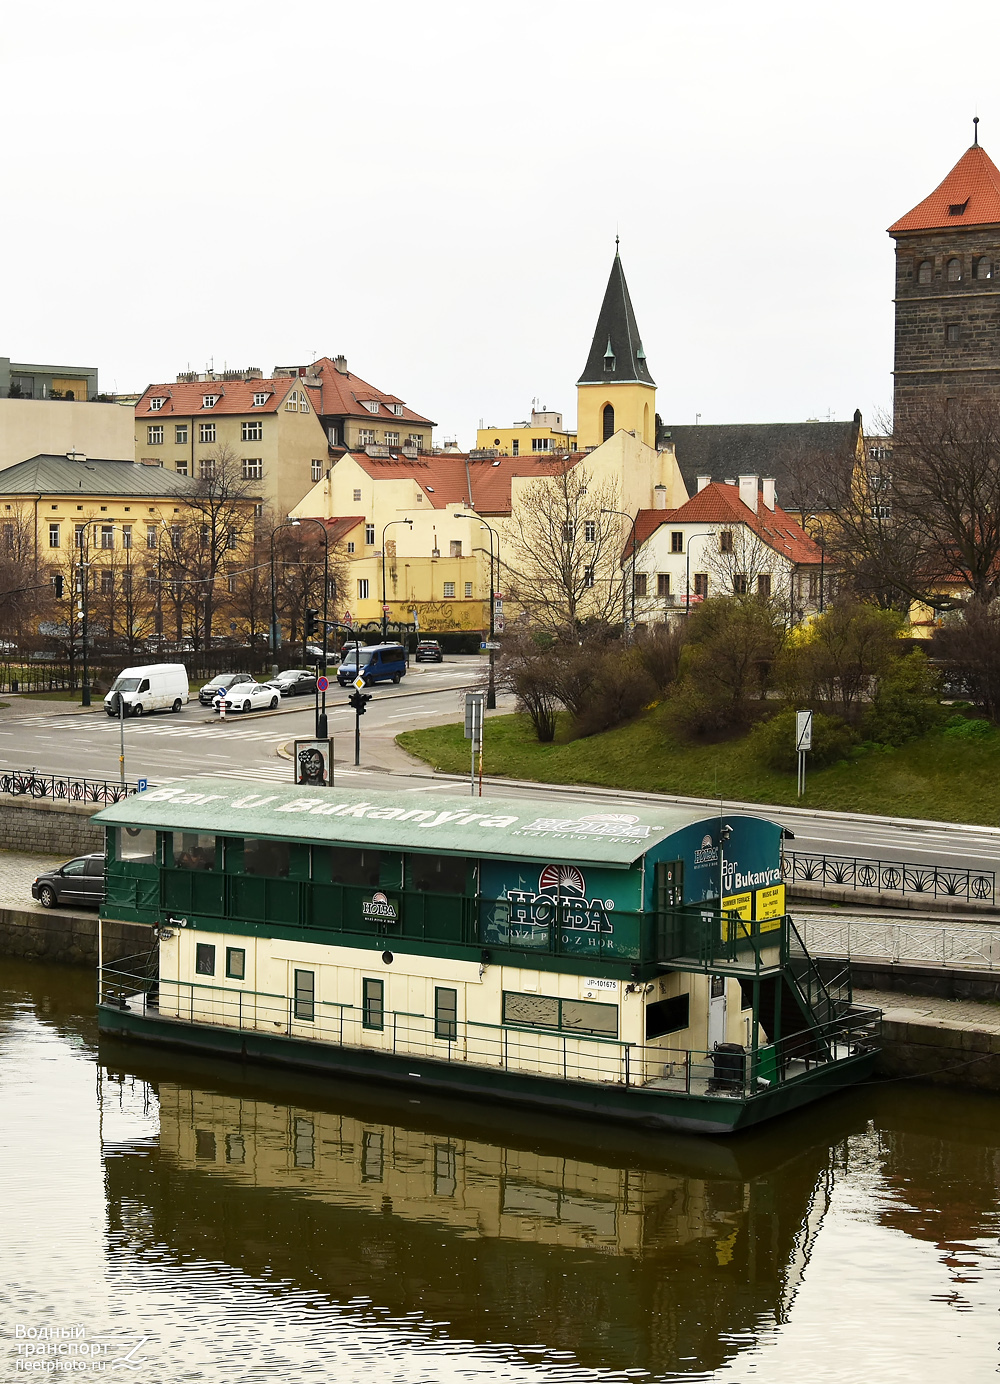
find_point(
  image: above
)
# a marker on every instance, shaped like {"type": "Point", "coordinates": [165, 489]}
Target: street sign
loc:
{"type": "Point", "coordinates": [498, 625]}
{"type": "Point", "coordinates": [322, 684]}
{"type": "Point", "coordinates": [142, 785]}
{"type": "Point", "coordinates": [489, 644]}
{"type": "Point", "coordinates": [359, 683]}
{"type": "Point", "coordinates": [347, 618]}
{"type": "Point", "coordinates": [475, 703]}
{"type": "Point", "coordinates": [803, 730]}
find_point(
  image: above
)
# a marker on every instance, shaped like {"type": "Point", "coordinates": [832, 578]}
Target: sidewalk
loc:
{"type": "Point", "coordinates": [17, 872]}
{"type": "Point", "coordinates": [897, 1008]}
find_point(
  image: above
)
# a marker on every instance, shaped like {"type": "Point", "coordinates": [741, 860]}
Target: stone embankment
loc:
{"type": "Point", "coordinates": [57, 828]}
{"type": "Point", "coordinates": [945, 1042]}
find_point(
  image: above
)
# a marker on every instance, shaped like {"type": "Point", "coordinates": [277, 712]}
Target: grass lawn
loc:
{"type": "Point", "coordinates": [61, 697]}
{"type": "Point", "coordinates": [940, 777]}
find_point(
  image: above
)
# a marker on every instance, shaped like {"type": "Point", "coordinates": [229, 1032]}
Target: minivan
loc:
{"type": "Point", "coordinates": [379, 663]}
{"type": "Point", "coordinates": [155, 687]}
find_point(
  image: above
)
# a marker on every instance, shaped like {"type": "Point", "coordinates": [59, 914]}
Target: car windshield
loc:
{"type": "Point", "coordinates": [351, 661]}
{"type": "Point", "coordinates": [125, 685]}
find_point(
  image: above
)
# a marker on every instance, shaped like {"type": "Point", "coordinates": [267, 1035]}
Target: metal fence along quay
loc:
{"type": "Point", "coordinates": [871, 939]}
{"type": "Point", "coordinates": [889, 876]}
{"type": "Point", "coordinates": [60, 788]}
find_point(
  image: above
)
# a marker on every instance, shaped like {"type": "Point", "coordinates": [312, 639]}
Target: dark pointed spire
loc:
{"type": "Point", "coordinates": [616, 354]}
{"type": "Point", "coordinates": [975, 129]}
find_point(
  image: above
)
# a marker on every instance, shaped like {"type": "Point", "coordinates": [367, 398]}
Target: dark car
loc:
{"type": "Point", "coordinates": [429, 651]}
{"type": "Point", "coordinates": [294, 682]}
{"type": "Point", "coordinates": [78, 881]}
{"type": "Point", "coordinates": [224, 681]}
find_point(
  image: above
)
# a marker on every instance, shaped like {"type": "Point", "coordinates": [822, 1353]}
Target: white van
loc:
{"type": "Point", "coordinates": [156, 687]}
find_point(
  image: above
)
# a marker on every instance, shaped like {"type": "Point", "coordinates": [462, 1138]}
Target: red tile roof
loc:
{"type": "Point", "coordinates": [491, 477]}
{"type": "Point", "coordinates": [721, 504]}
{"type": "Point", "coordinates": [342, 395]}
{"type": "Point", "coordinates": [234, 396]}
{"type": "Point", "coordinates": [442, 476]}
{"type": "Point", "coordinates": [972, 185]}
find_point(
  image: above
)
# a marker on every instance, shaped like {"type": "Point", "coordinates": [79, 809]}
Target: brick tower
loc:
{"type": "Point", "coordinates": [948, 289]}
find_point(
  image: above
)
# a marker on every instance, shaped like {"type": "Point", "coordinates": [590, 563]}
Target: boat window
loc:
{"type": "Point", "coordinates": [438, 874]}
{"type": "Point", "coordinates": [305, 995]}
{"type": "Point", "coordinates": [269, 858]}
{"type": "Point", "coordinates": [194, 850]}
{"type": "Point", "coordinates": [136, 844]}
{"type": "Point", "coordinates": [373, 1003]}
{"type": "Point", "coordinates": [573, 1016]}
{"type": "Point", "coordinates": [541, 1010]}
{"type": "Point", "coordinates": [236, 963]}
{"type": "Point", "coordinates": [349, 866]}
{"type": "Point", "coordinates": [204, 961]}
{"type": "Point", "coordinates": [445, 1014]}
{"type": "Point", "coordinates": [667, 1016]}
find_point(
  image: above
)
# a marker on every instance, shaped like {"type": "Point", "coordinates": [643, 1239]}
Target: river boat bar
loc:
{"type": "Point", "coordinates": [636, 965]}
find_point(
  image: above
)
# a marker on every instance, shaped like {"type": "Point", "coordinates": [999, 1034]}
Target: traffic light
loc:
{"type": "Point", "coordinates": [312, 622]}
{"type": "Point", "coordinates": [359, 700]}
{"type": "Point", "coordinates": [57, 583]}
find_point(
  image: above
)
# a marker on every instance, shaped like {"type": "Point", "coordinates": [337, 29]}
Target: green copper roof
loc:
{"type": "Point", "coordinates": [533, 829]}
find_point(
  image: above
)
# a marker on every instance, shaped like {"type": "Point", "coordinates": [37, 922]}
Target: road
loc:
{"type": "Point", "coordinates": [166, 747]}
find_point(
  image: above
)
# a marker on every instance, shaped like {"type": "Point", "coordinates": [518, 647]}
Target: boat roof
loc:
{"type": "Point", "coordinates": [406, 819]}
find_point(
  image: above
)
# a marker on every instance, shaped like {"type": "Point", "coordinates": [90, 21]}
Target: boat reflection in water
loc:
{"type": "Point", "coordinates": [652, 1253]}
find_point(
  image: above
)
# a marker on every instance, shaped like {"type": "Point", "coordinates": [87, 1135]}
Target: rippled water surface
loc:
{"type": "Point", "coordinates": [207, 1222]}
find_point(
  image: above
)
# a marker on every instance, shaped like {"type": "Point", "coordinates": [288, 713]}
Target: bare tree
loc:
{"type": "Point", "coordinates": [562, 564]}
{"type": "Point", "coordinates": [221, 514]}
{"type": "Point", "coordinates": [20, 596]}
{"type": "Point", "coordinates": [746, 566]}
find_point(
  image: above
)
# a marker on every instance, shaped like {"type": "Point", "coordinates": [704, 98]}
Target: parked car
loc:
{"type": "Point", "coordinates": [249, 696]}
{"type": "Point", "coordinates": [379, 663]}
{"type": "Point", "coordinates": [78, 881]}
{"type": "Point", "coordinates": [314, 651]}
{"type": "Point", "coordinates": [222, 683]}
{"type": "Point", "coordinates": [294, 682]}
{"type": "Point", "coordinates": [429, 651]}
{"type": "Point", "coordinates": [151, 687]}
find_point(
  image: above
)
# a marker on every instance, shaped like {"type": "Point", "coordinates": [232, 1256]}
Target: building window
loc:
{"type": "Point", "coordinates": [608, 421]}
{"type": "Point", "coordinates": [416, 439]}
{"type": "Point", "coordinates": [259, 400]}
{"type": "Point", "coordinates": [371, 405]}
{"type": "Point", "coordinates": [397, 409]}
{"type": "Point", "coordinates": [232, 584]}
{"type": "Point", "coordinates": [253, 468]}
{"type": "Point", "coordinates": [254, 430]}
{"type": "Point", "coordinates": [639, 583]}
{"type": "Point", "coordinates": [107, 536]}
{"type": "Point", "coordinates": [663, 583]}
{"type": "Point", "coordinates": [764, 585]}
{"type": "Point", "coordinates": [357, 495]}
{"type": "Point", "coordinates": [155, 405]}
{"type": "Point", "coordinates": [316, 470]}
{"type": "Point", "coordinates": [814, 586]}
{"type": "Point", "coordinates": [366, 437]}
{"type": "Point", "coordinates": [984, 268]}
{"type": "Point", "coordinates": [204, 963]}
{"type": "Point", "coordinates": [350, 546]}
{"type": "Point", "coordinates": [515, 447]}
{"type": "Point", "coordinates": [79, 535]}
{"type": "Point", "coordinates": [726, 541]}
{"type": "Point", "coordinates": [740, 584]}
{"type": "Point", "coordinates": [154, 434]}
{"type": "Point", "coordinates": [175, 536]}
{"type": "Point", "coordinates": [954, 271]}
{"type": "Point", "coordinates": [468, 590]}
{"type": "Point", "coordinates": [449, 591]}
{"type": "Point", "coordinates": [455, 547]}
{"type": "Point", "coordinates": [590, 530]}
{"type": "Point", "coordinates": [541, 444]}
{"type": "Point", "coordinates": [107, 582]}
{"type": "Point", "coordinates": [362, 588]}
{"type": "Point", "coordinates": [181, 433]}
{"type": "Point", "coordinates": [953, 332]}
{"type": "Point", "coordinates": [258, 511]}
{"type": "Point", "coordinates": [925, 273]}
{"type": "Point", "coordinates": [881, 511]}
{"type": "Point", "coordinates": [236, 963]}
{"type": "Point", "coordinates": [445, 1014]}
{"type": "Point", "coordinates": [232, 539]}
{"type": "Point", "coordinates": [391, 439]}
{"type": "Point", "coordinates": [207, 468]}
{"type": "Point", "coordinates": [127, 536]}
{"type": "Point", "coordinates": [303, 404]}
{"type": "Point", "coordinates": [209, 400]}
{"type": "Point", "coordinates": [701, 584]}
{"type": "Point", "coordinates": [373, 1003]}
{"type": "Point", "coordinates": [305, 996]}
{"type": "Point", "coordinates": [676, 542]}
{"type": "Point", "coordinates": [588, 577]}
{"type": "Point", "coordinates": [370, 534]}
{"type": "Point", "coordinates": [53, 535]}
{"type": "Point", "coordinates": [152, 535]}
{"type": "Point", "coordinates": [181, 467]}
{"type": "Point", "coordinates": [152, 584]}
{"type": "Point", "coordinates": [206, 432]}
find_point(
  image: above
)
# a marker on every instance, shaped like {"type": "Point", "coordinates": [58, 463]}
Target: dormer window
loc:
{"type": "Point", "coordinates": [209, 400]}
{"type": "Point", "coordinates": [958, 208]}
{"type": "Point", "coordinates": [155, 404]}
{"type": "Point", "coordinates": [259, 400]}
{"type": "Point", "coordinates": [609, 359]}
{"type": "Point", "coordinates": [397, 410]}
{"type": "Point", "coordinates": [371, 405]}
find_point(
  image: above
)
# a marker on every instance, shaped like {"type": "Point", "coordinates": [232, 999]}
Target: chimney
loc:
{"type": "Point", "coordinates": [748, 492]}
{"type": "Point", "coordinates": [702, 481]}
{"type": "Point", "coordinates": [659, 497]}
{"type": "Point", "coordinates": [340, 364]}
{"type": "Point", "coordinates": [767, 485]}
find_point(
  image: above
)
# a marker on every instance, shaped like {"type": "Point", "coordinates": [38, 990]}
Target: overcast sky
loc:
{"type": "Point", "coordinates": [434, 189]}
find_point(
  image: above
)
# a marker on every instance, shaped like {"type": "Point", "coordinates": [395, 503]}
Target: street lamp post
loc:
{"type": "Point", "coordinates": [687, 568]}
{"type": "Point", "coordinates": [274, 599]}
{"type": "Point", "coordinates": [84, 612]}
{"type": "Point", "coordinates": [321, 722]}
{"type": "Point", "coordinates": [491, 687]}
{"type": "Point", "coordinates": [632, 520]}
{"type": "Point", "coordinates": [385, 604]}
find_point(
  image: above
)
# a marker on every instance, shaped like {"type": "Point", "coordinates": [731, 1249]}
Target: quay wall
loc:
{"type": "Point", "coordinates": [68, 939]}
{"type": "Point", "coordinates": [48, 828]}
{"type": "Point", "coordinates": [944, 1052]}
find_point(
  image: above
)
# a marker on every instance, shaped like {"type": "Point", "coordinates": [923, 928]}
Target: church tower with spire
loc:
{"type": "Point", "coordinates": [616, 392]}
{"type": "Point", "coordinates": [948, 288]}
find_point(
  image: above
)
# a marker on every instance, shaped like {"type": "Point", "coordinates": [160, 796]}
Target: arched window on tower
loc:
{"type": "Point", "coordinates": [984, 268]}
{"type": "Point", "coordinates": [609, 422]}
{"type": "Point", "coordinates": [954, 271]}
{"type": "Point", "coordinates": [925, 273]}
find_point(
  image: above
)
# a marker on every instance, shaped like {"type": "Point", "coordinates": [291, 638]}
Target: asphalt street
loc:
{"type": "Point", "coordinates": [165, 747]}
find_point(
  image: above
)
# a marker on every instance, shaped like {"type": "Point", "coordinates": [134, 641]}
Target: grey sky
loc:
{"type": "Point", "coordinates": [434, 189]}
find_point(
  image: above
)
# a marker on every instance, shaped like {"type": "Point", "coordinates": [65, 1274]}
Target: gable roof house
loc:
{"type": "Point", "coordinates": [354, 414]}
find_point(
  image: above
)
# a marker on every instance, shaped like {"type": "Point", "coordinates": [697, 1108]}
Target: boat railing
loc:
{"type": "Point", "coordinates": [727, 1070]}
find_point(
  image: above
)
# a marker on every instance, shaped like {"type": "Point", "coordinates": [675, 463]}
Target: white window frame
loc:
{"type": "Point", "coordinates": [259, 400]}
{"type": "Point", "coordinates": [206, 432]}
{"type": "Point", "coordinates": [362, 588]}
{"type": "Point", "coordinates": [156, 404]}
{"type": "Point", "coordinates": [391, 439]}
{"type": "Point", "coordinates": [55, 532]}
{"type": "Point", "coordinates": [372, 405]}
{"type": "Point", "coordinates": [468, 590]}
{"type": "Point", "coordinates": [366, 437]}
{"type": "Point", "coordinates": [154, 435]}
{"type": "Point", "coordinates": [253, 430]}
{"type": "Point", "coordinates": [449, 591]}
{"type": "Point", "coordinates": [180, 434]}
{"type": "Point", "coordinates": [210, 400]}
{"type": "Point", "coordinates": [316, 470]}
{"type": "Point", "coordinates": [253, 468]}
{"type": "Point", "coordinates": [369, 535]}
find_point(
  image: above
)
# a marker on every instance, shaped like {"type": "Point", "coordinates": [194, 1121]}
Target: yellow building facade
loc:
{"type": "Point", "coordinates": [616, 392]}
{"type": "Point", "coordinates": [543, 434]}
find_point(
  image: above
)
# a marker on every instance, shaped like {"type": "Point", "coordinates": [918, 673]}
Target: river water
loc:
{"type": "Point", "coordinates": [199, 1221]}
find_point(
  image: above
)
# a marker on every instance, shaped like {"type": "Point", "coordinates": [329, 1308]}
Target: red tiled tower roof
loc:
{"type": "Point", "coordinates": [969, 196]}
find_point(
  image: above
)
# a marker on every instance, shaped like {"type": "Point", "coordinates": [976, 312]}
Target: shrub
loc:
{"type": "Point", "coordinates": [961, 728]}
{"type": "Point", "coordinates": [773, 741]}
{"type": "Point", "coordinates": [620, 689]}
{"type": "Point", "coordinates": [905, 705]}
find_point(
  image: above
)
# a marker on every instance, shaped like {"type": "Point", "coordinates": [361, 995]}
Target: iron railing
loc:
{"type": "Point", "coordinates": [973, 945]}
{"type": "Point", "coordinates": [889, 876]}
{"type": "Point", "coordinates": [60, 788]}
{"type": "Point", "coordinates": [727, 1070]}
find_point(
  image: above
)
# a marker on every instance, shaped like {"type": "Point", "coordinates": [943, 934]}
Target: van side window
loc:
{"type": "Point", "coordinates": [144, 685]}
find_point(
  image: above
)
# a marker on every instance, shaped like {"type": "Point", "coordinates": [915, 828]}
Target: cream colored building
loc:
{"type": "Point", "coordinates": [51, 427]}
